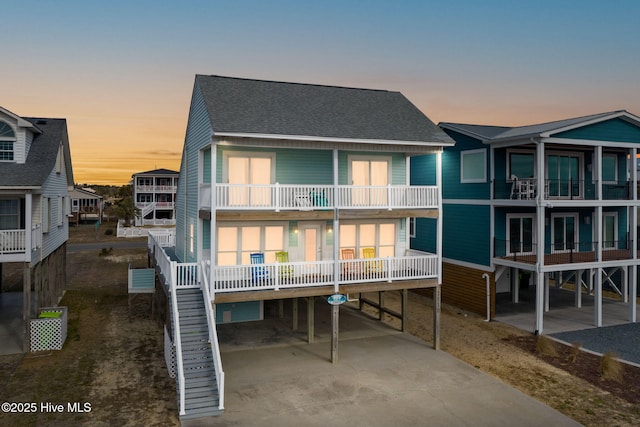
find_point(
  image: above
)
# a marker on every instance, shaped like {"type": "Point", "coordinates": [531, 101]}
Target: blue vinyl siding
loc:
{"type": "Point", "coordinates": [239, 311]}
{"type": "Point", "coordinates": [452, 187]}
{"type": "Point", "coordinates": [198, 136]}
{"type": "Point", "coordinates": [206, 166]}
{"type": "Point", "coordinates": [426, 233]}
{"type": "Point", "coordinates": [423, 170]}
{"type": "Point", "coordinates": [466, 233]}
{"type": "Point", "coordinates": [616, 130]}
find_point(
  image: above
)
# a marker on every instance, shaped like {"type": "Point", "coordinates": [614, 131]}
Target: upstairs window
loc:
{"type": "Point", "coordinates": [473, 166]}
{"type": "Point", "coordinates": [7, 138]}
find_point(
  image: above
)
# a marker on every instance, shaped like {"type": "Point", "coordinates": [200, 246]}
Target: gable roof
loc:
{"type": "Point", "coordinates": [157, 172]}
{"type": "Point", "coordinates": [42, 156]}
{"type": "Point", "coordinates": [489, 134]}
{"type": "Point", "coordinates": [261, 108]}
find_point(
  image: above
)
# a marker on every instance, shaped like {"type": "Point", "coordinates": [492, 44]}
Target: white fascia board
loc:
{"type": "Point", "coordinates": [16, 190]}
{"type": "Point", "coordinates": [512, 142]}
{"type": "Point", "coordinates": [589, 142]}
{"type": "Point", "coordinates": [330, 139]}
{"type": "Point", "coordinates": [463, 131]}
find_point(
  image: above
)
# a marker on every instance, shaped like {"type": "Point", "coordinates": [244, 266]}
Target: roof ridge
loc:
{"type": "Point", "coordinates": [297, 83]}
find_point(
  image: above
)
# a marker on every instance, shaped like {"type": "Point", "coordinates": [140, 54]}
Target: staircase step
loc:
{"type": "Point", "coordinates": [200, 382]}
{"type": "Point", "coordinates": [201, 402]}
{"type": "Point", "coordinates": [202, 412]}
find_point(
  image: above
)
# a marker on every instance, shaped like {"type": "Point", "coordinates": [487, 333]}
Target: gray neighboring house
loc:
{"type": "Point", "coordinates": [35, 179]}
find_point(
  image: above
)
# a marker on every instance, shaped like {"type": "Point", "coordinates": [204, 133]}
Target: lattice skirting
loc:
{"type": "Point", "coordinates": [49, 333]}
{"type": "Point", "coordinates": [169, 354]}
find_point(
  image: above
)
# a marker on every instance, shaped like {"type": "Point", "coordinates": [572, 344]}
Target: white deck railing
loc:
{"type": "Point", "coordinates": [277, 276]}
{"type": "Point", "coordinates": [213, 335]}
{"type": "Point", "coordinates": [12, 242]}
{"type": "Point", "coordinates": [314, 197]}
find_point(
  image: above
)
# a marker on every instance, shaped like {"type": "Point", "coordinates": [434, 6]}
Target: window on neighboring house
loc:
{"type": "Point", "coordinates": [9, 214]}
{"type": "Point", "coordinates": [609, 168]}
{"type": "Point", "coordinates": [609, 230]}
{"type": "Point", "coordinates": [46, 214]}
{"type": "Point", "coordinates": [7, 139]}
{"type": "Point", "coordinates": [521, 164]}
{"type": "Point", "coordinates": [473, 166]}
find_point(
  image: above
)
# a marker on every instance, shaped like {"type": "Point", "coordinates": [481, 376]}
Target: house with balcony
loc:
{"type": "Point", "coordinates": [86, 205]}
{"type": "Point", "coordinates": [291, 191]}
{"type": "Point", "coordinates": [35, 178]}
{"type": "Point", "coordinates": [550, 203]}
{"type": "Point", "coordinates": [154, 193]}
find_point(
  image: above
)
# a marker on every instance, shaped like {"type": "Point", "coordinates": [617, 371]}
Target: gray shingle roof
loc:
{"type": "Point", "coordinates": [41, 158]}
{"type": "Point", "coordinates": [500, 133]}
{"type": "Point", "coordinates": [246, 106]}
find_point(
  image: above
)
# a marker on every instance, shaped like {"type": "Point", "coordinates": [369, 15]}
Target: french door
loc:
{"type": "Point", "coordinates": [564, 232]}
{"type": "Point", "coordinates": [521, 232]}
{"type": "Point", "coordinates": [563, 174]}
{"type": "Point", "coordinates": [366, 174]}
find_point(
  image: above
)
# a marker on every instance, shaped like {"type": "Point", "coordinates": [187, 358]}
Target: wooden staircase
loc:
{"type": "Point", "coordinates": [201, 385]}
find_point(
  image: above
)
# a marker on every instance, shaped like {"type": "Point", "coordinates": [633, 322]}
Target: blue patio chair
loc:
{"type": "Point", "coordinates": [259, 272]}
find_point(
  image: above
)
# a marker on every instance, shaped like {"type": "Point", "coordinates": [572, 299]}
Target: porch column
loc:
{"type": "Point", "coordinates": [26, 306]}
{"type": "Point", "coordinates": [597, 167]}
{"type": "Point", "coordinates": [540, 213]}
{"type": "Point", "coordinates": [515, 284]}
{"type": "Point", "coordinates": [633, 293]}
{"type": "Point", "coordinates": [597, 303]}
{"type": "Point", "coordinates": [28, 229]}
{"type": "Point", "coordinates": [335, 318]}
{"type": "Point", "coordinates": [439, 221]}
{"type": "Point", "coordinates": [437, 296]}
{"type": "Point", "coordinates": [405, 310]}
{"type": "Point", "coordinates": [633, 273]}
{"type": "Point", "coordinates": [336, 225]}
{"type": "Point", "coordinates": [578, 290]}
{"type": "Point", "coordinates": [311, 313]}
{"type": "Point", "coordinates": [546, 292]}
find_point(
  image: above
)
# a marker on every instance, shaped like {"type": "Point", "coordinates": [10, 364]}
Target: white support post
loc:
{"type": "Point", "coordinates": [597, 303]}
{"type": "Point", "coordinates": [578, 290]}
{"type": "Point", "coordinates": [28, 229]}
{"type": "Point", "coordinates": [213, 248]}
{"type": "Point", "coordinates": [546, 292]}
{"type": "Point", "coordinates": [515, 285]}
{"type": "Point", "coordinates": [624, 274]}
{"type": "Point", "coordinates": [439, 221]}
{"type": "Point", "coordinates": [540, 233]}
{"type": "Point", "coordinates": [539, 302]}
{"type": "Point", "coordinates": [336, 225]}
{"type": "Point", "coordinates": [633, 294]}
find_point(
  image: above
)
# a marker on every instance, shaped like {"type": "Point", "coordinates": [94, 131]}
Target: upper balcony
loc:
{"type": "Point", "coordinates": [276, 197]}
{"type": "Point", "coordinates": [527, 189]}
{"type": "Point", "coordinates": [156, 188]}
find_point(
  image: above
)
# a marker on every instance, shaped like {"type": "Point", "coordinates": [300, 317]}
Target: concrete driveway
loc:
{"type": "Point", "coordinates": [382, 378]}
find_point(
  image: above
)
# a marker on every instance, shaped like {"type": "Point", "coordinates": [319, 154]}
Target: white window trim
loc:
{"type": "Point", "coordinates": [508, 230]}
{"type": "Point", "coordinates": [360, 157]}
{"type": "Point", "coordinates": [412, 227]}
{"type": "Point", "coordinates": [577, 230]}
{"type": "Point", "coordinates": [474, 180]}
{"type": "Point", "coordinates": [252, 154]}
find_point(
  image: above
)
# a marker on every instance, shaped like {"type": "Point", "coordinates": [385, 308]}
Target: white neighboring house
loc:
{"type": "Point", "coordinates": [86, 205]}
{"type": "Point", "coordinates": [154, 193]}
{"type": "Point", "coordinates": [35, 179]}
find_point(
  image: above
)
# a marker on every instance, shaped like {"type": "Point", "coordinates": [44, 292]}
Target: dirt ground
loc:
{"type": "Point", "coordinates": [114, 358]}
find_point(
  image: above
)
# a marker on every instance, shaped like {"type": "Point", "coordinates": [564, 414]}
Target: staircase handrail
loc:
{"type": "Point", "coordinates": [176, 335]}
{"type": "Point", "coordinates": [213, 334]}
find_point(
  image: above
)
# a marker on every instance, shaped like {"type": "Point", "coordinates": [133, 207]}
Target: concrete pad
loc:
{"type": "Point", "coordinates": [382, 378]}
{"type": "Point", "coordinates": [11, 323]}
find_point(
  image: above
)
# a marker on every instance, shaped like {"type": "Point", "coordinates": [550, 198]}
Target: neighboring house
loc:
{"type": "Point", "coordinates": [35, 178]}
{"type": "Point", "coordinates": [292, 191]}
{"type": "Point", "coordinates": [86, 205]}
{"type": "Point", "coordinates": [555, 200]}
{"type": "Point", "coordinates": [154, 193]}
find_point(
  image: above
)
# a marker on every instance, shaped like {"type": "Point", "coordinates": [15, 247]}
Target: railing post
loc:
{"type": "Point", "coordinates": [389, 197]}
{"type": "Point", "coordinates": [277, 188]}
{"type": "Point", "coordinates": [388, 262]}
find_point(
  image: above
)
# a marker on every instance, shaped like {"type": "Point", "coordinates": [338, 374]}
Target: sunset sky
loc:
{"type": "Point", "coordinates": [122, 72]}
